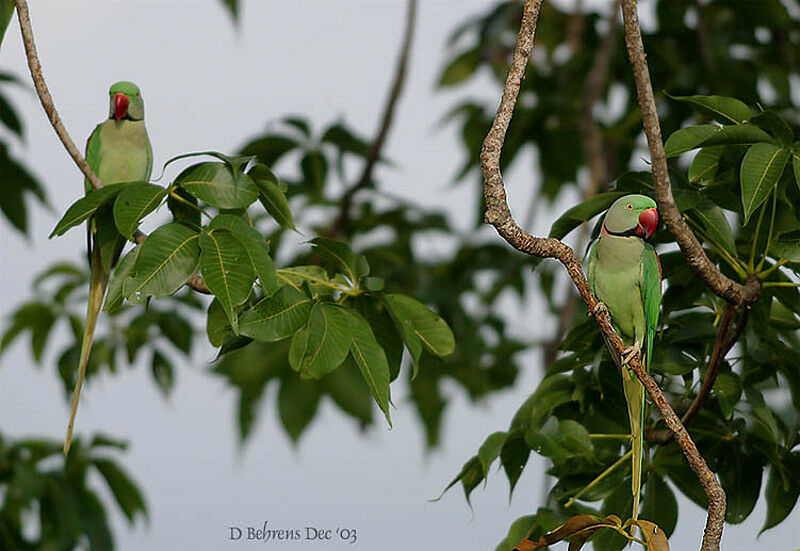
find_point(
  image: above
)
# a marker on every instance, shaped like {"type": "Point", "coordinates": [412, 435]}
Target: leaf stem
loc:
{"type": "Point", "coordinates": [751, 262]}
{"type": "Point", "coordinates": [771, 227]}
{"type": "Point", "coordinates": [719, 249]}
{"type": "Point", "coordinates": [600, 477]}
{"type": "Point", "coordinates": [780, 284]}
{"type": "Point", "coordinates": [768, 271]}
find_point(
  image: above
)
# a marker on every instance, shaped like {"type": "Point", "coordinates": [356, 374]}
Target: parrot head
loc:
{"type": "Point", "coordinates": [631, 215]}
{"type": "Point", "coordinates": [125, 102]}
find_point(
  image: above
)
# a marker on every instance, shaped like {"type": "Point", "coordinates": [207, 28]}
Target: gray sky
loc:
{"type": "Point", "coordinates": [209, 87]}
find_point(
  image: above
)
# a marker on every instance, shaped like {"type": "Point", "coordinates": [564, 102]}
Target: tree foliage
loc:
{"type": "Point", "coordinates": [737, 193]}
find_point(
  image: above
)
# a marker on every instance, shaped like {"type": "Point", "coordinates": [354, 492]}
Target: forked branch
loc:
{"type": "Point", "coordinates": [499, 215]}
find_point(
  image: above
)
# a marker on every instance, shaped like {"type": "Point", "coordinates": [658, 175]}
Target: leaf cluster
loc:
{"type": "Point", "coordinates": [38, 481]}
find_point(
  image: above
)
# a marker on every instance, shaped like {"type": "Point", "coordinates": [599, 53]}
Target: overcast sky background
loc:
{"type": "Point", "coordinates": [208, 86]}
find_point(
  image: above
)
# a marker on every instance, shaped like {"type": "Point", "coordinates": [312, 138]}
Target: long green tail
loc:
{"type": "Point", "coordinates": [97, 290]}
{"type": "Point", "coordinates": [634, 396]}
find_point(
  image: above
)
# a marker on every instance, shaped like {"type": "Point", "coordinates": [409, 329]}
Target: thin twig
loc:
{"type": "Point", "coordinates": [722, 345]}
{"type": "Point", "coordinates": [376, 147]}
{"type": "Point", "coordinates": [499, 215]}
{"type": "Point", "coordinates": [696, 258]}
{"type": "Point", "coordinates": [44, 94]}
{"type": "Point", "coordinates": [195, 282]}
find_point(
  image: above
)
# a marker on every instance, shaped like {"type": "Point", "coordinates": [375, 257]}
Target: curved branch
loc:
{"type": "Point", "coordinates": [499, 215]}
{"type": "Point", "coordinates": [696, 258]}
{"type": "Point", "coordinates": [44, 94]}
{"type": "Point", "coordinates": [376, 147]}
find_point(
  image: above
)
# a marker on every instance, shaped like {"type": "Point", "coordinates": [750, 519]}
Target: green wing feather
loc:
{"type": "Point", "coordinates": [650, 287]}
{"type": "Point", "coordinates": [93, 154]}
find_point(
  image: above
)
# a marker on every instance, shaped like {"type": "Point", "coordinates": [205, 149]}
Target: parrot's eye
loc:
{"type": "Point", "coordinates": [629, 206]}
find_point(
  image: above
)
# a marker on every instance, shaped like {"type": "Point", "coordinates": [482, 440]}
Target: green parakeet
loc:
{"type": "Point", "coordinates": [118, 151]}
{"type": "Point", "coordinates": [625, 274]}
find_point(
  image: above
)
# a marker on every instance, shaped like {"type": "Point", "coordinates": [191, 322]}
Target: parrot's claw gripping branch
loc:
{"type": "Point", "coordinates": [499, 216]}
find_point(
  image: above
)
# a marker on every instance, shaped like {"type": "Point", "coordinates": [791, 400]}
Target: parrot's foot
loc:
{"type": "Point", "coordinates": [629, 353]}
{"type": "Point", "coordinates": [600, 306]}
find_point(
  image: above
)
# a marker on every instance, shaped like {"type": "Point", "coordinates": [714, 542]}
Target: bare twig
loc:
{"type": "Point", "coordinates": [376, 147]}
{"type": "Point", "coordinates": [696, 258]}
{"type": "Point", "coordinates": [44, 94]}
{"type": "Point", "coordinates": [195, 282]}
{"type": "Point", "coordinates": [499, 215]}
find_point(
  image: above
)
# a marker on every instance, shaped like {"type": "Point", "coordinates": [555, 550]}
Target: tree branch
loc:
{"type": "Point", "coordinates": [376, 147]}
{"type": "Point", "coordinates": [196, 281]}
{"type": "Point", "coordinates": [499, 215]}
{"type": "Point", "coordinates": [696, 258]}
{"type": "Point", "coordinates": [44, 94]}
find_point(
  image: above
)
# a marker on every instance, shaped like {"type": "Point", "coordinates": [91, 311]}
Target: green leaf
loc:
{"type": "Point", "coordinates": [86, 206]}
{"type": "Point", "coordinates": [272, 196]}
{"type": "Point", "coordinates": [215, 184]}
{"type": "Point", "coordinates": [176, 329]}
{"type": "Point", "coordinates": [162, 372]}
{"type": "Point", "coordinates": [772, 122]}
{"type": "Point", "coordinates": [6, 11]}
{"type": "Point", "coordinates": [348, 390]}
{"type": "Point", "coordinates": [743, 134]}
{"type": "Point", "coordinates": [314, 167]}
{"type": "Point", "coordinates": [781, 495]}
{"type": "Point", "coordinates": [786, 249]}
{"type": "Point", "coordinates": [297, 404]}
{"type": "Point", "coordinates": [460, 68]}
{"type": "Point", "coordinates": [218, 328]}
{"type": "Point", "coordinates": [127, 495]}
{"type": "Point", "coordinates": [560, 440]}
{"type": "Point", "coordinates": [134, 203]}
{"type": "Point", "coordinates": [688, 138]}
{"type": "Point", "coordinates": [416, 321]}
{"type": "Point", "coordinates": [227, 271]}
{"type": "Point", "coordinates": [715, 225]}
{"type": "Point", "coordinates": [796, 162]}
{"type": "Point", "coordinates": [341, 254]}
{"type": "Point", "coordinates": [490, 450]}
{"type": "Point", "coordinates": [659, 505]}
{"type": "Point", "coordinates": [371, 360]}
{"type": "Point", "coordinates": [276, 317]}
{"type": "Point", "coordinates": [168, 257]}
{"type": "Point", "coordinates": [270, 148]}
{"type": "Point", "coordinates": [115, 292]}
{"type": "Point", "coordinates": [728, 389]}
{"type": "Point", "coordinates": [705, 164]}
{"type": "Point", "coordinates": [724, 109]}
{"type": "Point", "coordinates": [254, 244]}
{"type": "Point", "coordinates": [94, 521]}
{"type": "Point", "coordinates": [583, 212]}
{"type": "Point", "coordinates": [762, 167]}
{"type": "Point", "coordinates": [236, 163]}
{"type": "Point", "coordinates": [189, 213]}
{"type": "Point", "coordinates": [328, 341]}
{"type": "Point", "coordinates": [740, 476]}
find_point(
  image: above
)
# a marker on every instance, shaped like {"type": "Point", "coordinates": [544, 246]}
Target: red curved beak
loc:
{"type": "Point", "coordinates": [648, 222]}
{"type": "Point", "coordinates": [120, 106]}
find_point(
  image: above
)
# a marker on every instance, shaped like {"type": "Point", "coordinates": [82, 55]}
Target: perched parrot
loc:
{"type": "Point", "coordinates": [625, 274]}
{"type": "Point", "coordinates": [118, 151]}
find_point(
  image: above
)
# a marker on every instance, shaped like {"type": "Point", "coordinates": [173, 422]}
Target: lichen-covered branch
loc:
{"type": "Point", "coordinates": [499, 216]}
{"type": "Point", "coordinates": [696, 258]}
